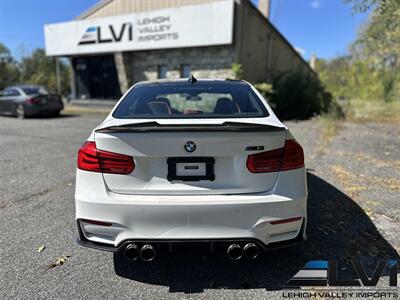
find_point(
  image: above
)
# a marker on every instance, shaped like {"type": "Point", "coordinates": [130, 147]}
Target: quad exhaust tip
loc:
{"type": "Point", "coordinates": [147, 253]}
{"type": "Point", "coordinates": [131, 252]}
{"type": "Point", "coordinates": [234, 252]}
{"type": "Point", "coordinates": [251, 250]}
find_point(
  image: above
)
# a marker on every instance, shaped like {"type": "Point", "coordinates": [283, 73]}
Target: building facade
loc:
{"type": "Point", "coordinates": [117, 43]}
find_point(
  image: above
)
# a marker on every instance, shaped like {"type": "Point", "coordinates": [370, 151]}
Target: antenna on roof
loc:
{"type": "Point", "coordinates": [192, 79]}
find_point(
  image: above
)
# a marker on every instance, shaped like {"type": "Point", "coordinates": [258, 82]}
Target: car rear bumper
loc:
{"type": "Point", "coordinates": [31, 110]}
{"type": "Point", "coordinates": [190, 218]}
{"type": "Point", "coordinates": [301, 237]}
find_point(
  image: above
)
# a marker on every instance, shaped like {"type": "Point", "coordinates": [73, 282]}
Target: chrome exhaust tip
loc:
{"type": "Point", "coordinates": [147, 253]}
{"type": "Point", "coordinates": [251, 250]}
{"type": "Point", "coordinates": [234, 252]}
{"type": "Point", "coordinates": [131, 252]}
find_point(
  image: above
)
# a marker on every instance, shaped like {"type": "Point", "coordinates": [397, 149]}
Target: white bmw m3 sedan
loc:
{"type": "Point", "coordinates": [200, 161]}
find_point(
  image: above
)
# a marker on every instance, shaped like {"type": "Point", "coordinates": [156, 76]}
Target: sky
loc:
{"type": "Point", "coordinates": [321, 27]}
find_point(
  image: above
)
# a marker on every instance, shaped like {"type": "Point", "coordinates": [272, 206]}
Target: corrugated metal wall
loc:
{"type": "Point", "coordinates": [261, 50]}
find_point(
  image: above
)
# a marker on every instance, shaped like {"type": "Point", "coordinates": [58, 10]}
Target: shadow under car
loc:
{"type": "Point", "coordinates": [338, 229]}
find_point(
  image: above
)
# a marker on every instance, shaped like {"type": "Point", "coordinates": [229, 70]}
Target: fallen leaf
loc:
{"type": "Point", "coordinates": [41, 248]}
{"type": "Point", "coordinates": [60, 261]}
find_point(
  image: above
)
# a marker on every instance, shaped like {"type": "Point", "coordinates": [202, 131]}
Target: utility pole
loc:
{"type": "Point", "coordinates": [58, 76]}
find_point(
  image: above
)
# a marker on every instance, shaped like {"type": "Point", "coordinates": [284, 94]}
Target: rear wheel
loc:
{"type": "Point", "coordinates": [55, 113]}
{"type": "Point", "coordinates": [20, 111]}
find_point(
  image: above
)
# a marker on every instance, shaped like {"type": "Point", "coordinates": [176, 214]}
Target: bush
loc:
{"type": "Point", "coordinates": [297, 96]}
{"type": "Point", "coordinates": [335, 110]}
{"type": "Point", "coordinates": [237, 70]}
{"type": "Point", "coordinates": [265, 89]}
{"type": "Point", "coordinates": [267, 92]}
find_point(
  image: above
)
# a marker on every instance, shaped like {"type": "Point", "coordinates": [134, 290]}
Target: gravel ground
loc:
{"type": "Point", "coordinates": [353, 195]}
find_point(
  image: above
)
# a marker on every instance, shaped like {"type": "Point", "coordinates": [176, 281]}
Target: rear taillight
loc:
{"type": "Point", "coordinates": [293, 157]}
{"type": "Point", "coordinates": [94, 160]}
{"type": "Point", "coordinates": [32, 101]}
{"type": "Point", "coordinates": [264, 162]}
{"type": "Point", "coordinates": [288, 158]}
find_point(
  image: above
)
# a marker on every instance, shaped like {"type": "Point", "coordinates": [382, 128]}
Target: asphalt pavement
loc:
{"type": "Point", "coordinates": [353, 183]}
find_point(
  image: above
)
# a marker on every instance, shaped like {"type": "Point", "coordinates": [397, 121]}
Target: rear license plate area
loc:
{"type": "Point", "coordinates": [190, 168]}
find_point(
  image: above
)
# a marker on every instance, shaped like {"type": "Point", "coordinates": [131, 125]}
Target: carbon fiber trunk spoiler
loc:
{"type": "Point", "coordinates": [156, 127]}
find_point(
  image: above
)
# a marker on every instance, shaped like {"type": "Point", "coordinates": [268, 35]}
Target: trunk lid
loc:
{"type": "Point", "coordinates": [46, 101]}
{"type": "Point", "coordinates": [165, 165]}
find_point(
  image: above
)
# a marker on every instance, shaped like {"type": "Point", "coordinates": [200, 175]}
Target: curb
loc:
{"type": "Point", "coordinates": [85, 109]}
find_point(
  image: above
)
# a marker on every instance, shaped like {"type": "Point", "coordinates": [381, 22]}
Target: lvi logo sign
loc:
{"type": "Point", "coordinates": [93, 34]}
{"type": "Point", "coordinates": [325, 273]}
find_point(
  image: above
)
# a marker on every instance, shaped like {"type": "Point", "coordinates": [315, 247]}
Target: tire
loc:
{"type": "Point", "coordinates": [55, 113]}
{"type": "Point", "coordinates": [20, 111]}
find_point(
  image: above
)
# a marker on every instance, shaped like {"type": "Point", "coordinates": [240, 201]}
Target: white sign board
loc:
{"type": "Point", "coordinates": [187, 26]}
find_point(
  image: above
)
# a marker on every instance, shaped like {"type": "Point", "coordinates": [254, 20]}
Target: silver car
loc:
{"type": "Point", "coordinates": [29, 100]}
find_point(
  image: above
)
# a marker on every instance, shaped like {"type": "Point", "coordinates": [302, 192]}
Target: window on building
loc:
{"type": "Point", "coordinates": [162, 71]}
{"type": "Point", "coordinates": [185, 71]}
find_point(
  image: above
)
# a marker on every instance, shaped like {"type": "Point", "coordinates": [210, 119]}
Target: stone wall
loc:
{"type": "Point", "coordinates": [207, 62]}
{"type": "Point", "coordinates": [121, 71]}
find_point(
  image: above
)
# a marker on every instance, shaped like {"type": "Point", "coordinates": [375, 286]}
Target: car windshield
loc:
{"type": "Point", "coordinates": [33, 90]}
{"type": "Point", "coordinates": [185, 100]}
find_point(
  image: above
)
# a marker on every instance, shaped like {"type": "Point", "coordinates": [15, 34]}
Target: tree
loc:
{"type": "Point", "coordinates": [379, 40]}
{"type": "Point", "coordinates": [371, 71]}
{"type": "Point", "coordinates": [9, 73]}
{"type": "Point", "coordinates": [334, 74]}
{"type": "Point", "coordinates": [34, 68]}
{"type": "Point", "coordinates": [40, 69]}
{"type": "Point", "coordinates": [347, 77]}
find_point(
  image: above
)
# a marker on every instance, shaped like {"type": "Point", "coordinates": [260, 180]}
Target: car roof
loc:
{"type": "Point", "coordinates": [199, 81]}
{"type": "Point", "coordinates": [21, 86]}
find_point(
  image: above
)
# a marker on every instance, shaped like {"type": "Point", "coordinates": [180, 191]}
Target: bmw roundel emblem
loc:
{"type": "Point", "coordinates": [190, 146]}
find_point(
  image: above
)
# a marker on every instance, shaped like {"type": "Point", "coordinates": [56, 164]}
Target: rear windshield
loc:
{"type": "Point", "coordinates": [191, 101]}
{"type": "Point", "coordinates": [34, 90]}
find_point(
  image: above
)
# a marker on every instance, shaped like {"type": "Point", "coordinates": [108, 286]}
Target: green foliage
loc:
{"type": "Point", "coordinates": [391, 85]}
{"type": "Point", "coordinates": [332, 75]}
{"type": "Point", "coordinates": [373, 111]}
{"type": "Point", "coordinates": [36, 68]}
{"type": "Point", "coordinates": [41, 69]}
{"type": "Point", "coordinates": [345, 77]}
{"type": "Point", "coordinates": [335, 110]}
{"type": "Point", "coordinates": [361, 6]}
{"type": "Point", "coordinates": [265, 89]}
{"type": "Point", "coordinates": [237, 70]}
{"type": "Point", "coordinates": [348, 78]}
{"type": "Point", "coordinates": [297, 96]}
{"type": "Point", "coordinates": [370, 72]}
{"type": "Point", "coordinates": [9, 73]}
{"type": "Point", "coordinates": [5, 54]}
{"type": "Point", "coordinates": [379, 41]}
